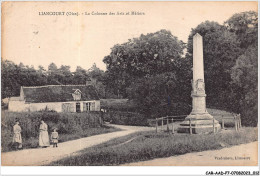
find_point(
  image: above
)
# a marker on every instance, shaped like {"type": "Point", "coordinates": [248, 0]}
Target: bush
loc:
{"type": "Point", "coordinates": [77, 124]}
{"type": "Point", "coordinates": [65, 122]}
{"type": "Point", "coordinates": [135, 117]}
{"type": "Point", "coordinates": [125, 118]}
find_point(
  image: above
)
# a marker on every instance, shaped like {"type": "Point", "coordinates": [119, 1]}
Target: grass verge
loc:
{"type": "Point", "coordinates": [143, 146]}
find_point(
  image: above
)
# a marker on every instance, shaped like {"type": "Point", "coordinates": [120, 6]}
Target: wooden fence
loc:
{"type": "Point", "coordinates": [236, 118]}
{"type": "Point", "coordinates": [168, 119]}
{"type": "Point", "coordinates": [171, 119]}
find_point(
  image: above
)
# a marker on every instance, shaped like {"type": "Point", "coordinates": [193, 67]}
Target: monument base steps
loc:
{"type": "Point", "coordinates": [200, 123]}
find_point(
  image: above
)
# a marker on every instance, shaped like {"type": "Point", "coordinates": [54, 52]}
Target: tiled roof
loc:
{"type": "Point", "coordinates": [58, 93]}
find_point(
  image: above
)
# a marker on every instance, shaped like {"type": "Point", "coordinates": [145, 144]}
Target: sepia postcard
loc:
{"type": "Point", "coordinates": [130, 84]}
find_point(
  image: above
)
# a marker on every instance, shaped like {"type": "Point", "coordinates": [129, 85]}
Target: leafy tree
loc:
{"type": "Point", "coordinates": [65, 76]}
{"type": "Point", "coordinates": [28, 76]}
{"type": "Point", "coordinates": [97, 80]}
{"type": "Point", "coordinates": [230, 56]}
{"type": "Point", "coordinates": [151, 71]}
{"type": "Point", "coordinates": [53, 75]}
{"type": "Point", "coordinates": [80, 76]}
{"type": "Point", "coordinates": [52, 68]}
{"type": "Point", "coordinates": [14, 76]}
{"type": "Point", "coordinates": [111, 90]}
{"type": "Point", "coordinates": [9, 73]}
{"type": "Point", "coordinates": [159, 95]}
{"type": "Point", "coordinates": [220, 51]}
{"type": "Point", "coordinates": [96, 73]}
{"type": "Point", "coordinates": [244, 75]}
{"type": "Point", "coordinates": [150, 54]}
{"type": "Point", "coordinates": [42, 75]}
{"type": "Point", "coordinates": [245, 26]}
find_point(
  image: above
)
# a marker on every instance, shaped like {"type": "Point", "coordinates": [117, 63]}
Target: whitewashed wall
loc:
{"type": "Point", "coordinates": [56, 106]}
{"type": "Point", "coordinates": [19, 106]}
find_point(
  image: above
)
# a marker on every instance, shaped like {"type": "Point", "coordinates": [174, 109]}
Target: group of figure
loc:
{"type": "Point", "coordinates": [43, 136]}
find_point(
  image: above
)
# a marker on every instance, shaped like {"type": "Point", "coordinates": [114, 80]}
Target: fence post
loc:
{"type": "Point", "coordinates": [190, 126]}
{"type": "Point", "coordinates": [156, 125]}
{"type": "Point", "coordinates": [162, 124]}
{"type": "Point", "coordinates": [26, 127]}
{"type": "Point", "coordinates": [235, 117]}
{"type": "Point", "coordinates": [110, 115]}
{"type": "Point", "coordinates": [213, 125]}
{"type": "Point", "coordinates": [223, 123]}
{"type": "Point", "coordinates": [100, 121]}
{"type": "Point", "coordinates": [240, 125]}
{"type": "Point", "coordinates": [237, 122]}
{"type": "Point", "coordinates": [94, 120]}
{"type": "Point", "coordinates": [172, 127]}
{"type": "Point", "coordinates": [167, 124]}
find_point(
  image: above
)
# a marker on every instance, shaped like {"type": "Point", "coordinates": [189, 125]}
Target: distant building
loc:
{"type": "Point", "coordinates": [60, 98]}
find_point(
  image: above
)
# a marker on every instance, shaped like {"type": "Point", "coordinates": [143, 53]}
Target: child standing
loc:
{"type": "Point", "coordinates": [54, 137]}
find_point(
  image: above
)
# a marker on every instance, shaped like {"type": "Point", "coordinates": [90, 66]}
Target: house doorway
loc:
{"type": "Point", "coordinates": [77, 107]}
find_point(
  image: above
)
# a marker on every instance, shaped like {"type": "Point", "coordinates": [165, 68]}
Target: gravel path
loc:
{"type": "Point", "coordinates": [241, 155]}
{"type": "Point", "coordinates": [42, 156]}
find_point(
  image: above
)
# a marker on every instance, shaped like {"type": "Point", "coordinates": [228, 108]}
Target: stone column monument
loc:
{"type": "Point", "coordinates": [199, 119]}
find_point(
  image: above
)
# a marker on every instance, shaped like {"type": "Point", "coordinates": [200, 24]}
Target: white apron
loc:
{"type": "Point", "coordinates": [17, 138]}
{"type": "Point", "coordinates": [44, 136]}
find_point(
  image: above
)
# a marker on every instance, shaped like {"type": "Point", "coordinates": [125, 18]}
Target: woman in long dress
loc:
{"type": "Point", "coordinates": [44, 136]}
{"type": "Point", "coordinates": [17, 138]}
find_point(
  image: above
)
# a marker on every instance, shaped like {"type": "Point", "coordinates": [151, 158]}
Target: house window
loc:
{"type": "Point", "coordinates": [90, 106]}
{"type": "Point", "coordinates": [77, 107]}
{"type": "Point", "coordinates": [87, 106]}
{"type": "Point", "coordinates": [77, 95]}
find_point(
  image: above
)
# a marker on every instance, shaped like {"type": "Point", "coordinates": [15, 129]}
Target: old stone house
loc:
{"type": "Point", "coordinates": [60, 98]}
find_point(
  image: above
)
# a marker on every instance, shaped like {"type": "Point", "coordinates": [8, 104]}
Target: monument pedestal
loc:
{"type": "Point", "coordinates": [200, 123]}
{"type": "Point", "coordinates": [199, 120]}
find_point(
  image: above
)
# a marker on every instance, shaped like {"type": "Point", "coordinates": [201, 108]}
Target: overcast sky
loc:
{"type": "Point", "coordinates": [82, 40]}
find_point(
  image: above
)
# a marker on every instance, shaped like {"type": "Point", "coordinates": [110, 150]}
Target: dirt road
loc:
{"type": "Point", "coordinates": [42, 156]}
{"type": "Point", "coordinates": [241, 155]}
